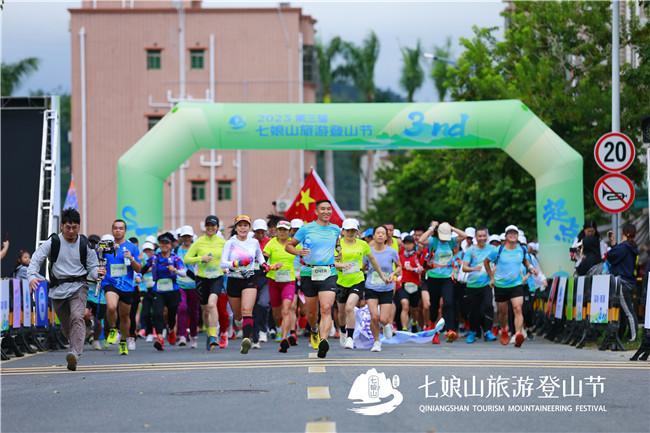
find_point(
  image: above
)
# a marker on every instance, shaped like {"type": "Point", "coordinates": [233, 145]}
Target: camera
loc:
{"type": "Point", "coordinates": [105, 247]}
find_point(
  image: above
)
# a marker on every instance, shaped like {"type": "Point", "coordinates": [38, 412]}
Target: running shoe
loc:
{"type": "Point", "coordinates": [451, 336]}
{"type": "Point", "coordinates": [273, 334]}
{"type": "Point", "coordinates": [142, 333]}
{"type": "Point", "coordinates": [519, 339]}
{"type": "Point", "coordinates": [159, 343]}
{"type": "Point", "coordinates": [211, 343]}
{"type": "Point", "coordinates": [112, 336]}
{"type": "Point", "coordinates": [293, 338]}
{"type": "Point", "coordinates": [471, 337]}
{"type": "Point", "coordinates": [349, 343]}
{"type": "Point", "coordinates": [182, 341]}
{"type": "Point", "coordinates": [439, 325]}
{"type": "Point", "coordinates": [239, 334]}
{"type": "Point", "coordinates": [495, 330]}
{"type": "Point", "coordinates": [171, 337]}
{"type": "Point", "coordinates": [223, 340]}
{"type": "Point", "coordinates": [194, 342]}
{"type": "Point", "coordinates": [314, 340]}
{"type": "Point", "coordinates": [263, 337]}
{"type": "Point", "coordinates": [124, 348]}
{"type": "Point", "coordinates": [332, 330]}
{"type": "Point", "coordinates": [388, 331]}
{"type": "Point", "coordinates": [504, 338]}
{"type": "Point", "coordinates": [435, 339]}
{"type": "Point", "coordinates": [130, 343]}
{"type": "Point", "coordinates": [256, 345]}
{"type": "Point", "coordinates": [376, 347]}
{"type": "Point", "coordinates": [342, 339]}
{"type": "Point", "coordinates": [71, 359]}
{"type": "Point", "coordinates": [323, 347]}
{"type": "Point", "coordinates": [284, 346]}
{"type": "Point", "coordinates": [277, 338]}
{"type": "Point", "coordinates": [97, 345]}
{"type": "Point", "coordinates": [489, 336]}
{"type": "Point", "coordinates": [149, 338]}
{"type": "Point", "coordinates": [245, 346]}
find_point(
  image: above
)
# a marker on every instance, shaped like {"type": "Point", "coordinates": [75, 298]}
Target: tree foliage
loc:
{"type": "Point", "coordinates": [440, 68]}
{"type": "Point", "coordinates": [412, 73]}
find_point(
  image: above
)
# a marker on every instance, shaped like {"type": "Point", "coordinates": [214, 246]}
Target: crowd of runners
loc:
{"type": "Point", "coordinates": [292, 280]}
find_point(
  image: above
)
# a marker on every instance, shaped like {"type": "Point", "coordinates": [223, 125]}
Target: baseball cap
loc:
{"type": "Point", "coordinates": [296, 223]}
{"type": "Point", "coordinates": [166, 237]}
{"type": "Point", "coordinates": [534, 246]}
{"type": "Point", "coordinates": [284, 224]}
{"type": "Point", "coordinates": [211, 220]}
{"type": "Point", "coordinates": [522, 240]}
{"type": "Point", "coordinates": [444, 232]}
{"type": "Point", "coordinates": [471, 232]}
{"type": "Point", "coordinates": [368, 232]}
{"type": "Point", "coordinates": [186, 231]}
{"type": "Point", "coordinates": [397, 233]}
{"type": "Point", "coordinates": [240, 218]}
{"type": "Point", "coordinates": [502, 237]}
{"type": "Point", "coordinates": [151, 239]}
{"type": "Point", "coordinates": [350, 224]}
{"type": "Point", "coordinates": [512, 228]}
{"type": "Point", "coordinates": [493, 238]}
{"type": "Point", "coordinates": [148, 246]}
{"type": "Point", "coordinates": [260, 224]}
{"type": "Point", "coordinates": [108, 238]}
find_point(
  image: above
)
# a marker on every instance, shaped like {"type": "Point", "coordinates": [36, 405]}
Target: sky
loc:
{"type": "Point", "coordinates": [41, 29]}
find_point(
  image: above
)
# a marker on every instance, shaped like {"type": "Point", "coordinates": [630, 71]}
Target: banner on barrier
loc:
{"type": "Point", "coordinates": [18, 297]}
{"type": "Point", "coordinates": [580, 294]}
{"type": "Point", "coordinates": [646, 325]}
{"type": "Point", "coordinates": [559, 303]}
{"type": "Point", "coordinates": [551, 297]}
{"type": "Point", "coordinates": [40, 296]}
{"type": "Point", "coordinates": [599, 299]}
{"type": "Point", "coordinates": [4, 305]}
{"type": "Point", "coordinates": [27, 304]}
{"type": "Point", "coordinates": [569, 299]}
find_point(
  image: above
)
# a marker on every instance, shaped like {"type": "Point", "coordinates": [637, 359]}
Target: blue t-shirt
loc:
{"type": "Point", "coordinates": [119, 273]}
{"type": "Point", "coordinates": [164, 279]}
{"type": "Point", "coordinates": [185, 282]}
{"type": "Point", "coordinates": [474, 256]}
{"type": "Point", "coordinates": [385, 260]}
{"type": "Point", "coordinates": [509, 268]}
{"type": "Point", "coordinates": [321, 241]}
{"type": "Point", "coordinates": [443, 254]}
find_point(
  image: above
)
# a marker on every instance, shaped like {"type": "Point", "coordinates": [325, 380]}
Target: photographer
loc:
{"type": "Point", "coordinates": [71, 261]}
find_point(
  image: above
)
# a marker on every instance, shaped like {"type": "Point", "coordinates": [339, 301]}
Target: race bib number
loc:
{"type": "Point", "coordinates": [283, 276]}
{"type": "Point", "coordinates": [185, 280]}
{"type": "Point", "coordinates": [211, 272]}
{"type": "Point", "coordinates": [352, 269]}
{"type": "Point", "coordinates": [376, 280]}
{"type": "Point", "coordinates": [320, 273]}
{"type": "Point", "coordinates": [118, 270]}
{"type": "Point", "coordinates": [410, 288]}
{"type": "Point", "coordinates": [165, 285]}
{"type": "Point", "coordinates": [148, 281]}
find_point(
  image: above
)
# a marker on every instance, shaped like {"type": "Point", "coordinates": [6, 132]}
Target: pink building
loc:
{"type": "Point", "coordinates": [132, 60]}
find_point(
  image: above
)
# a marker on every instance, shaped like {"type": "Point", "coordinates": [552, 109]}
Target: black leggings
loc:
{"type": "Point", "coordinates": [160, 301]}
{"type": "Point", "coordinates": [442, 288]}
{"type": "Point", "coordinates": [146, 314]}
{"type": "Point", "coordinates": [481, 310]}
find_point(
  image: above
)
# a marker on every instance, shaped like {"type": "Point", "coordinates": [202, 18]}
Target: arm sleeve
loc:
{"type": "Point", "coordinates": [226, 263]}
{"type": "Point", "coordinates": [92, 263]}
{"type": "Point", "coordinates": [39, 257]}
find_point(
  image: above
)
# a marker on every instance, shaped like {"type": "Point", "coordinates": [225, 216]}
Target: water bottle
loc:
{"type": "Point", "coordinates": [307, 244]}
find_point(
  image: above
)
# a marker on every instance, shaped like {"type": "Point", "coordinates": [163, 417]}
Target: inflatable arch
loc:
{"type": "Point", "coordinates": [507, 125]}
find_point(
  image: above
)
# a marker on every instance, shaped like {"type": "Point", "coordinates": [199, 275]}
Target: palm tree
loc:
{"type": "Point", "coordinates": [439, 68]}
{"type": "Point", "coordinates": [360, 68]}
{"type": "Point", "coordinates": [412, 72]}
{"type": "Point", "coordinates": [14, 73]}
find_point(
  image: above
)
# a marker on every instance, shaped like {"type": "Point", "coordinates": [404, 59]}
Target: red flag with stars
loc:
{"type": "Point", "coordinates": [304, 205]}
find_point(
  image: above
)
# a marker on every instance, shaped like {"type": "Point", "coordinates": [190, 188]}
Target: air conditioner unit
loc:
{"type": "Point", "coordinates": [281, 206]}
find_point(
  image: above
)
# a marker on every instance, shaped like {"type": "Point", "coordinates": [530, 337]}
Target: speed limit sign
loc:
{"type": "Point", "coordinates": [614, 152]}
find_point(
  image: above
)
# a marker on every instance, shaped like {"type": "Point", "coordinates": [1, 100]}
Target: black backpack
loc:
{"type": "Point", "coordinates": [54, 255]}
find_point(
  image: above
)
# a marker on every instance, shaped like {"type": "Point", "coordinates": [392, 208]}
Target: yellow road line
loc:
{"type": "Point", "coordinates": [320, 427]}
{"type": "Point", "coordinates": [318, 393]}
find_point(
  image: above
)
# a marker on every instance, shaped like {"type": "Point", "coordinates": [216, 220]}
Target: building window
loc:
{"type": "Point", "coordinates": [196, 58]}
{"type": "Point", "coordinates": [198, 190]}
{"type": "Point", "coordinates": [153, 58]}
{"type": "Point", "coordinates": [308, 63]}
{"type": "Point", "coordinates": [224, 188]}
{"type": "Point", "coordinates": [152, 120]}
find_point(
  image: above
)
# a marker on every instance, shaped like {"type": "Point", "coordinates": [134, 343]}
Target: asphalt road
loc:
{"type": "Point", "coordinates": [185, 390]}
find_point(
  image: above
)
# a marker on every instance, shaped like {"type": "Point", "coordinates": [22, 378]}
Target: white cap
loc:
{"type": "Point", "coordinates": [283, 224]}
{"type": "Point", "coordinates": [186, 231]}
{"type": "Point", "coordinates": [177, 233]}
{"type": "Point", "coordinates": [522, 240]}
{"type": "Point", "coordinates": [397, 233]}
{"type": "Point", "coordinates": [405, 234]}
{"type": "Point", "coordinates": [151, 239]}
{"type": "Point", "coordinates": [470, 232]}
{"type": "Point", "coordinates": [502, 237]}
{"type": "Point", "coordinates": [444, 232]}
{"type": "Point", "coordinates": [513, 228]}
{"type": "Point", "coordinates": [260, 224]}
{"type": "Point", "coordinates": [148, 246]}
{"type": "Point", "coordinates": [454, 235]}
{"type": "Point", "coordinates": [108, 238]}
{"type": "Point", "coordinates": [349, 224]}
{"type": "Point", "coordinates": [494, 238]}
{"type": "Point", "coordinates": [296, 223]}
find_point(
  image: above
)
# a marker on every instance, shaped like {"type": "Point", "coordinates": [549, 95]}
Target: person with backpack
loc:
{"type": "Point", "coordinates": [70, 263]}
{"type": "Point", "coordinates": [507, 280]}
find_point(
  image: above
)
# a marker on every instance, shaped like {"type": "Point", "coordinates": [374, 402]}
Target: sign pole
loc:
{"type": "Point", "coordinates": [616, 121]}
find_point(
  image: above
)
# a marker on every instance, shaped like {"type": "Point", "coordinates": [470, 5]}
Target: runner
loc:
{"type": "Point", "coordinates": [350, 278]}
{"type": "Point", "coordinates": [441, 248]}
{"type": "Point", "coordinates": [146, 312]}
{"type": "Point", "coordinates": [507, 280]}
{"type": "Point", "coordinates": [296, 223]}
{"type": "Point", "coordinates": [118, 285]}
{"type": "Point", "coordinates": [239, 256]}
{"type": "Point", "coordinates": [380, 285]}
{"type": "Point", "coordinates": [165, 269]}
{"type": "Point", "coordinates": [189, 309]}
{"type": "Point", "coordinates": [320, 242]}
{"type": "Point", "coordinates": [206, 253]}
{"type": "Point", "coordinates": [479, 292]}
{"type": "Point", "coordinates": [408, 295]}
{"type": "Point", "coordinates": [282, 282]}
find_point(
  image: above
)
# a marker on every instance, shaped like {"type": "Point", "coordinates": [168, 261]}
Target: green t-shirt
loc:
{"type": "Point", "coordinates": [277, 254]}
{"type": "Point", "coordinates": [352, 253]}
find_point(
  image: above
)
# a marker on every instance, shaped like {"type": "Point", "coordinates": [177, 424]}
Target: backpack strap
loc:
{"type": "Point", "coordinates": [498, 255]}
{"type": "Point", "coordinates": [55, 247]}
{"type": "Point", "coordinates": [523, 250]}
{"type": "Point", "coordinates": [83, 251]}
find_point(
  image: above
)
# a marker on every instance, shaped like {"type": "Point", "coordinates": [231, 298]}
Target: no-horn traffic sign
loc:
{"type": "Point", "coordinates": [614, 193]}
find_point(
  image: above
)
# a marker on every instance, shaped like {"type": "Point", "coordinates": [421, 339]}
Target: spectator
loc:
{"type": "Point", "coordinates": [22, 262]}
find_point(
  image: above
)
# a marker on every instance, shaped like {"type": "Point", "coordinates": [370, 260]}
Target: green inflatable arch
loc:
{"type": "Point", "coordinates": [508, 125]}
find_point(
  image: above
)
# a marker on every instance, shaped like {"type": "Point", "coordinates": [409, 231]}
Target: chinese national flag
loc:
{"type": "Point", "coordinates": [304, 205]}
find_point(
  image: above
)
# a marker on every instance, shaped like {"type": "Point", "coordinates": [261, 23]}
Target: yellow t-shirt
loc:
{"type": "Point", "coordinates": [204, 246]}
{"type": "Point", "coordinates": [277, 254]}
{"type": "Point", "coordinates": [352, 253]}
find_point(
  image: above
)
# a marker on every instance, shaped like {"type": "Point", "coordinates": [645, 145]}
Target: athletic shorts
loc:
{"type": "Point", "coordinates": [504, 295]}
{"type": "Point", "coordinates": [345, 292]}
{"type": "Point", "coordinates": [98, 310]}
{"type": "Point", "coordinates": [209, 286]}
{"type": "Point", "coordinates": [382, 297]}
{"type": "Point", "coordinates": [281, 291]}
{"type": "Point", "coordinates": [125, 297]}
{"type": "Point", "coordinates": [413, 298]}
{"type": "Point", "coordinates": [313, 288]}
{"type": "Point", "coordinates": [236, 285]}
